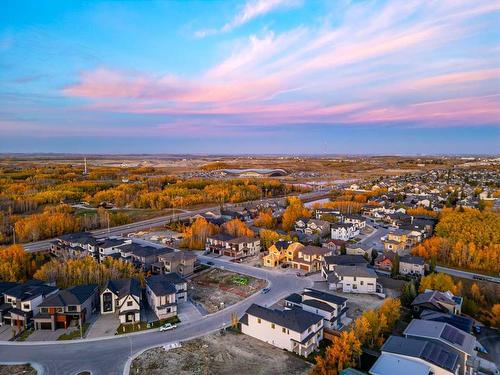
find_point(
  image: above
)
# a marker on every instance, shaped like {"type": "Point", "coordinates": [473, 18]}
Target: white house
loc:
{"type": "Point", "coordinates": [344, 232]}
{"type": "Point", "coordinates": [411, 265]}
{"type": "Point", "coordinates": [332, 308]}
{"type": "Point", "coordinates": [294, 330]}
{"type": "Point", "coordinates": [358, 220]}
{"type": "Point", "coordinates": [111, 246]}
{"type": "Point", "coordinates": [122, 297]}
{"type": "Point", "coordinates": [353, 279]}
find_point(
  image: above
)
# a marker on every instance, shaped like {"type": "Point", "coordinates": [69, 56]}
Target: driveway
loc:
{"type": "Point", "coordinates": [187, 312]}
{"type": "Point", "coordinates": [5, 333]}
{"type": "Point", "coordinates": [48, 335]}
{"type": "Point", "coordinates": [104, 325]}
{"type": "Point", "coordinates": [490, 339]}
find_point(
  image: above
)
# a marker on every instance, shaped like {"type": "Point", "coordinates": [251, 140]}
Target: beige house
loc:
{"type": "Point", "coordinates": [310, 258]}
{"type": "Point", "coordinates": [163, 292]}
{"type": "Point", "coordinates": [181, 262]}
{"type": "Point", "coordinates": [122, 297]}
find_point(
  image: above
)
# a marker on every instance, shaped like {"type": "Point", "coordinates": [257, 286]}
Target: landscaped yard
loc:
{"type": "Point", "coordinates": [142, 326]}
{"type": "Point", "coordinates": [226, 354]}
{"type": "Point", "coordinates": [25, 369]}
{"type": "Point", "coordinates": [76, 334]}
{"type": "Point", "coordinates": [216, 289]}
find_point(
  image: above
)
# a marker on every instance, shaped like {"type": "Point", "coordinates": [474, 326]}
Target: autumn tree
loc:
{"type": "Point", "coordinates": [438, 281]}
{"type": "Point", "coordinates": [236, 228]}
{"type": "Point", "coordinates": [265, 219]}
{"type": "Point", "coordinates": [196, 235]}
{"type": "Point", "coordinates": [293, 212]}
{"type": "Point", "coordinates": [343, 352]}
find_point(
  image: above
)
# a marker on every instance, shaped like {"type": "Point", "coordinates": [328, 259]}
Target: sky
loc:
{"type": "Point", "coordinates": [254, 76]}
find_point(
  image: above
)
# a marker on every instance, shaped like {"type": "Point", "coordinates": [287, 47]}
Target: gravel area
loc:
{"type": "Point", "coordinates": [25, 369]}
{"type": "Point", "coordinates": [226, 354]}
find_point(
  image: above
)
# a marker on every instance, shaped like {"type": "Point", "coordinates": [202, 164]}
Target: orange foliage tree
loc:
{"type": "Point", "coordinates": [196, 235]}
{"type": "Point", "coordinates": [294, 211]}
{"type": "Point", "coordinates": [265, 219]}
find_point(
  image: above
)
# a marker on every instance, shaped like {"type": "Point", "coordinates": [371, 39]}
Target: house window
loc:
{"type": "Point", "coordinates": [309, 329]}
{"type": "Point", "coordinates": [258, 320]}
{"type": "Point", "coordinates": [26, 306]}
{"type": "Point", "coordinates": [361, 282]}
{"type": "Point", "coordinates": [273, 326]}
{"type": "Point", "coordinates": [283, 330]}
{"type": "Point", "coordinates": [72, 308]}
{"type": "Point", "coordinates": [129, 303]}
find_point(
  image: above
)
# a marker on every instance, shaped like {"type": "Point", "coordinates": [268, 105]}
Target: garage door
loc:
{"type": "Point", "coordinates": [304, 267]}
{"type": "Point", "coordinates": [45, 326]}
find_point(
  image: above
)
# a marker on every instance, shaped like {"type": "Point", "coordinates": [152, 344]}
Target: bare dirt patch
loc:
{"type": "Point", "coordinates": [226, 354]}
{"type": "Point", "coordinates": [25, 369]}
{"type": "Point", "coordinates": [217, 289]}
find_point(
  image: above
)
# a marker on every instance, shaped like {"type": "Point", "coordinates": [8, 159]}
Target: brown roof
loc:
{"type": "Point", "coordinates": [315, 250]}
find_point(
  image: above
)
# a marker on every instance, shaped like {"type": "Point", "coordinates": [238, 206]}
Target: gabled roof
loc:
{"type": "Point", "coordinates": [354, 271]}
{"type": "Point", "coordinates": [111, 242]}
{"type": "Point", "coordinates": [296, 319]}
{"type": "Point", "coordinates": [124, 287]}
{"type": "Point", "coordinates": [75, 295]}
{"type": "Point", "coordinates": [345, 260]}
{"type": "Point", "coordinates": [164, 284]}
{"type": "Point", "coordinates": [324, 296]}
{"type": "Point", "coordinates": [441, 331]}
{"type": "Point", "coordinates": [320, 305]}
{"type": "Point", "coordinates": [432, 352]}
{"type": "Point", "coordinates": [434, 298]}
{"type": "Point", "coordinates": [6, 285]}
{"type": "Point", "coordinates": [461, 322]}
{"type": "Point", "coordinates": [294, 298]}
{"type": "Point", "coordinates": [28, 291]}
{"type": "Point", "coordinates": [412, 260]}
{"type": "Point", "coordinates": [315, 250]}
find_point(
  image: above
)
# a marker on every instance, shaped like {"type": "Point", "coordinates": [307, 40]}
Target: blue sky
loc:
{"type": "Point", "coordinates": [261, 76]}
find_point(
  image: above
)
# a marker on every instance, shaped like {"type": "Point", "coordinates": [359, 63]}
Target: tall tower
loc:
{"type": "Point", "coordinates": [85, 166]}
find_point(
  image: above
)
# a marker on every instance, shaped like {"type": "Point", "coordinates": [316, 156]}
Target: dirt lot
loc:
{"type": "Point", "coordinates": [223, 355]}
{"type": "Point", "coordinates": [17, 370]}
{"type": "Point", "coordinates": [216, 289]}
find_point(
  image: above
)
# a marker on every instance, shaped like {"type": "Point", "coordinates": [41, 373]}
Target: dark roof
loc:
{"type": "Point", "coordinates": [314, 250]}
{"type": "Point", "coordinates": [28, 291]}
{"type": "Point", "coordinates": [294, 298]}
{"type": "Point", "coordinates": [320, 305]}
{"type": "Point", "coordinates": [124, 287]}
{"type": "Point", "coordinates": [221, 237]}
{"type": "Point", "coordinates": [144, 251]}
{"type": "Point", "coordinates": [282, 244]}
{"type": "Point", "coordinates": [164, 284]}
{"type": "Point", "coordinates": [6, 285]}
{"type": "Point", "coordinates": [80, 237]}
{"type": "Point", "coordinates": [461, 322]}
{"type": "Point", "coordinates": [324, 296]}
{"type": "Point", "coordinates": [75, 295]}
{"type": "Point", "coordinates": [434, 298]}
{"type": "Point", "coordinates": [296, 319]}
{"type": "Point", "coordinates": [412, 260]}
{"type": "Point", "coordinates": [345, 260]}
{"type": "Point", "coordinates": [429, 351]}
{"type": "Point", "coordinates": [111, 242]}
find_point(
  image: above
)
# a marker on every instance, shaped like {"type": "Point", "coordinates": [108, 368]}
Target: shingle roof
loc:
{"type": "Point", "coordinates": [461, 322]}
{"type": "Point", "coordinates": [429, 351]}
{"type": "Point", "coordinates": [28, 291]}
{"type": "Point", "coordinates": [124, 287]}
{"type": "Point", "coordinates": [75, 295]}
{"type": "Point", "coordinates": [412, 260]}
{"type": "Point", "coordinates": [345, 260]}
{"type": "Point", "coordinates": [315, 250]}
{"type": "Point", "coordinates": [164, 284]}
{"type": "Point", "coordinates": [324, 296]}
{"type": "Point", "coordinates": [296, 319]}
{"type": "Point", "coordinates": [355, 271]}
{"type": "Point", "coordinates": [320, 305]}
{"type": "Point", "coordinates": [6, 285]}
{"type": "Point", "coordinates": [294, 298]}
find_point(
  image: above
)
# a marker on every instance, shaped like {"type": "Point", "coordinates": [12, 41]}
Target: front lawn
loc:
{"type": "Point", "coordinates": [73, 335]}
{"type": "Point", "coordinates": [142, 326]}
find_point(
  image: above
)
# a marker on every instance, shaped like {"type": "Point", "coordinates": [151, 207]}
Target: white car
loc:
{"type": "Point", "coordinates": [167, 327]}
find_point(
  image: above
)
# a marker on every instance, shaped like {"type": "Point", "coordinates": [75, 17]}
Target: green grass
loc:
{"type": "Point", "coordinates": [241, 280]}
{"type": "Point", "coordinates": [142, 326]}
{"type": "Point", "coordinates": [25, 334]}
{"type": "Point", "coordinates": [73, 335]}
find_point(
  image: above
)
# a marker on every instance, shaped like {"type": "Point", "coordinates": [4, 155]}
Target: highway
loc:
{"type": "Point", "coordinates": [147, 224]}
{"type": "Point", "coordinates": [110, 356]}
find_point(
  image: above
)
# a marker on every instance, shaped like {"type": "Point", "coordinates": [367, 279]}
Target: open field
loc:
{"type": "Point", "coordinates": [216, 289]}
{"type": "Point", "coordinates": [226, 354]}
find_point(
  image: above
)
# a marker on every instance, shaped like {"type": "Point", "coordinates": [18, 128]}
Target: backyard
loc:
{"type": "Point", "coordinates": [216, 289]}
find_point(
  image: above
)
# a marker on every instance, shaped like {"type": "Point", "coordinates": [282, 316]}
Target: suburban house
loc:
{"type": "Point", "coordinates": [181, 262]}
{"type": "Point", "coordinates": [319, 212]}
{"type": "Point", "coordinates": [281, 252]}
{"type": "Point", "coordinates": [294, 330]}
{"type": "Point", "coordinates": [332, 308]}
{"type": "Point", "coordinates": [357, 220]}
{"type": "Point", "coordinates": [384, 261]}
{"type": "Point", "coordinates": [344, 231]}
{"type": "Point", "coordinates": [5, 307]}
{"type": "Point", "coordinates": [396, 241]}
{"type": "Point", "coordinates": [110, 246]}
{"type": "Point", "coordinates": [24, 301]}
{"type": "Point", "coordinates": [163, 292]}
{"type": "Point", "coordinates": [122, 297]}
{"type": "Point", "coordinates": [313, 226]}
{"type": "Point", "coordinates": [461, 322]}
{"type": "Point", "coordinates": [142, 257]}
{"type": "Point", "coordinates": [411, 265]}
{"type": "Point", "coordinates": [358, 249]}
{"type": "Point", "coordinates": [335, 245]}
{"type": "Point", "coordinates": [75, 245]}
{"type": "Point", "coordinates": [402, 355]}
{"type": "Point", "coordinates": [224, 244]}
{"type": "Point", "coordinates": [454, 340]}
{"type": "Point", "coordinates": [331, 261]}
{"type": "Point", "coordinates": [353, 279]}
{"type": "Point", "coordinates": [310, 258]}
{"type": "Point", "coordinates": [74, 304]}
{"type": "Point", "coordinates": [437, 301]}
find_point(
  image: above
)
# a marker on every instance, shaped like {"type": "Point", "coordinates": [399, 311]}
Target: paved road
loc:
{"type": "Point", "coordinates": [467, 275]}
{"type": "Point", "coordinates": [108, 356]}
{"type": "Point", "coordinates": [147, 224]}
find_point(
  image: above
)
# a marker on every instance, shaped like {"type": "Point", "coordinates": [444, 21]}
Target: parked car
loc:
{"type": "Point", "coordinates": [265, 290]}
{"type": "Point", "coordinates": [477, 329]}
{"type": "Point", "coordinates": [167, 327]}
